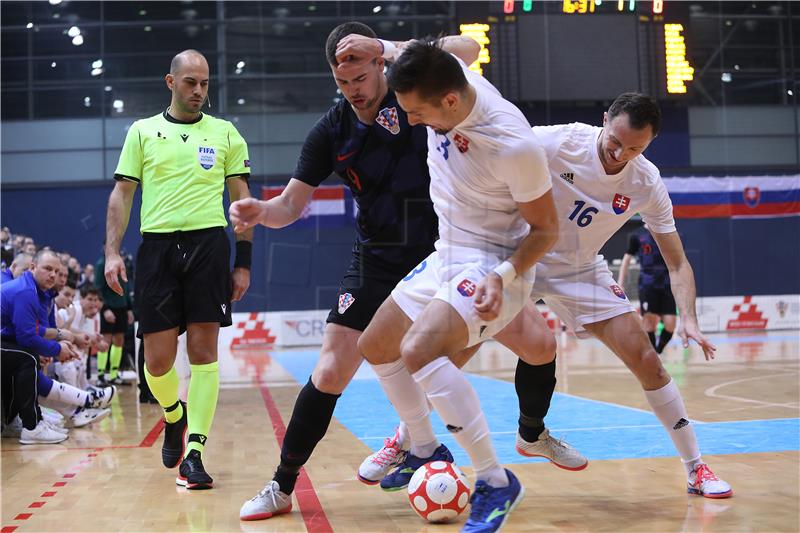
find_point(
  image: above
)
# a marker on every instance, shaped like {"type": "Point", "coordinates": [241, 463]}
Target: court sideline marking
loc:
{"type": "Point", "coordinates": [310, 507]}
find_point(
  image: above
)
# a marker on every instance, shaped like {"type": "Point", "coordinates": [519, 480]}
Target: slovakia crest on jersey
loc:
{"type": "Point", "coordinates": [387, 117]}
{"type": "Point", "coordinates": [345, 301]}
{"type": "Point", "coordinates": [207, 156]}
{"type": "Point", "coordinates": [462, 143]}
{"type": "Point", "coordinates": [620, 203]}
{"type": "Point", "coordinates": [467, 287]}
{"type": "Point", "coordinates": [618, 292]}
{"type": "Point", "coordinates": [752, 196]}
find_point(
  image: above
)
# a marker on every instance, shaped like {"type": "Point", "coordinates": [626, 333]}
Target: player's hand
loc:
{"type": "Point", "coordinates": [82, 340]}
{"type": "Point", "coordinates": [67, 352]}
{"type": "Point", "coordinates": [71, 313]}
{"type": "Point", "coordinates": [246, 213]}
{"type": "Point", "coordinates": [110, 317]}
{"type": "Point", "coordinates": [103, 345]}
{"type": "Point", "coordinates": [241, 282]}
{"type": "Point", "coordinates": [115, 269]}
{"type": "Point", "coordinates": [357, 48]}
{"type": "Point", "coordinates": [130, 317]}
{"type": "Point", "coordinates": [489, 297]}
{"type": "Point", "coordinates": [690, 330]}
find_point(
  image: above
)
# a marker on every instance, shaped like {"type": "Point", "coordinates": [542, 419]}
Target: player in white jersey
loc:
{"type": "Point", "coordinates": [491, 191]}
{"type": "Point", "coordinates": [600, 180]}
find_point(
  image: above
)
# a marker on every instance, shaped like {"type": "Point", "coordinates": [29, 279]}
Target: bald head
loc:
{"type": "Point", "coordinates": [187, 58]}
{"type": "Point", "coordinates": [20, 264]}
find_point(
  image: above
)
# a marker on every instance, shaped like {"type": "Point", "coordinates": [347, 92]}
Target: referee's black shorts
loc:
{"type": "Point", "coordinates": [366, 284]}
{"type": "Point", "coordinates": [182, 278]}
{"type": "Point", "coordinates": [658, 301]}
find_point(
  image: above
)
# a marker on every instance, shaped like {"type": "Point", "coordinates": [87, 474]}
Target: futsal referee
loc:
{"type": "Point", "coordinates": [183, 159]}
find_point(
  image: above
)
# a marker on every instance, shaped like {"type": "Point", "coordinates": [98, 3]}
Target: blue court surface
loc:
{"type": "Point", "coordinates": [599, 430]}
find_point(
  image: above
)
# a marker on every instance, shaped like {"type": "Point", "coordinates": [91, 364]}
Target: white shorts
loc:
{"type": "Point", "coordinates": [452, 275]}
{"type": "Point", "coordinates": [580, 295]}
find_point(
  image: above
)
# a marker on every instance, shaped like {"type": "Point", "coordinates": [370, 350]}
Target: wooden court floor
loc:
{"type": "Point", "coordinates": [745, 406]}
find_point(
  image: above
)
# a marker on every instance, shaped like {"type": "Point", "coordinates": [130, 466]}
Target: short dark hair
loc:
{"type": "Point", "coordinates": [340, 32]}
{"type": "Point", "coordinates": [88, 289]}
{"type": "Point", "coordinates": [642, 110]}
{"type": "Point", "coordinates": [426, 68]}
{"type": "Point", "coordinates": [70, 284]}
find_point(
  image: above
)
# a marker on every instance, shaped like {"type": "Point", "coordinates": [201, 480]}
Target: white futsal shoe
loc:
{"type": "Point", "coordinates": [102, 396]}
{"type": "Point", "coordinates": [559, 452]}
{"type": "Point", "coordinates": [53, 417]}
{"type": "Point", "coordinates": [703, 482]}
{"type": "Point", "coordinates": [270, 501]}
{"type": "Point", "coordinates": [84, 416]}
{"type": "Point", "coordinates": [41, 434]}
{"type": "Point", "coordinates": [377, 465]}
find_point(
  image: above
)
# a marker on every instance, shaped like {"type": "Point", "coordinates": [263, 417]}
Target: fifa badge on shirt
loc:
{"type": "Point", "coordinates": [387, 117]}
{"type": "Point", "coordinates": [246, 163]}
{"type": "Point", "coordinates": [207, 157]}
{"type": "Point", "coordinates": [345, 301]}
{"type": "Point", "coordinates": [620, 203]}
{"type": "Point", "coordinates": [462, 143]}
{"type": "Point", "coordinates": [617, 290]}
{"type": "Point", "coordinates": [467, 287]}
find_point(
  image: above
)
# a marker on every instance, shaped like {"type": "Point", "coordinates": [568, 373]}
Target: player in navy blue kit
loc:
{"type": "Point", "coordinates": [366, 140]}
{"type": "Point", "coordinates": [655, 293]}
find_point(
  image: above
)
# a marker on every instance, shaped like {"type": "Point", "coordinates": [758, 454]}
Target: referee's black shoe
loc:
{"type": "Point", "coordinates": [174, 438]}
{"type": "Point", "coordinates": [192, 475]}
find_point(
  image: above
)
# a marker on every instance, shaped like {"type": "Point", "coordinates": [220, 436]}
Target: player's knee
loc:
{"type": "Point", "coordinates": [648, 367]}
{"type": "Point", "coordinates": [329, 379]}
{"type": "Point", "coordinates": [373, 350]}
{"type": "Point", "coordinates": [415, 352]}
{"type": "Point", "coordinates": [541, 352]}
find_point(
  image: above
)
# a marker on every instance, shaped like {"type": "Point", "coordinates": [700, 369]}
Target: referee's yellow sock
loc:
{"type": "Point", "coordinates": [102, 363]}
{"type": "Point", "coordinates": [116, 359]}
{"type": "Point", "coordinates": [165, 389]}
{"type": "Point", "coordinates": [202, 403]}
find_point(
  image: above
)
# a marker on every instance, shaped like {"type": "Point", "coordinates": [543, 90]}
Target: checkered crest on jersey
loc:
{"type": "Point", "coordinates": [387, 117]}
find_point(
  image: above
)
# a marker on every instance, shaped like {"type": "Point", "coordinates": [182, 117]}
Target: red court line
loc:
{"type": "Point", "coordinates": [23, 516]}
{"type": "Point", "coordinates": [310, 507]}
{"type": "Point", "coordinates": [151, 437]}
{"type": "Point", "coordinates": [147, 442]}
{"type": "Point", "coordinates": [36, 505]}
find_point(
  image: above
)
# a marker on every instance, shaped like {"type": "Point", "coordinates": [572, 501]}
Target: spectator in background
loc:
{"type": "Point", "coordinates": [87, 277]}
{"type": "Point", "coordinates": [114, 319]}
{"type": "Point", "coordinates": [6, 247]}
{"type": "Point", "coordinates": [655, 292]}
{"type": "Point", "coordinates": [20, 264]}
{"type": "Point", "coordinates": [24, 310]}
{"type": "Point", "coordinates": [29, 247]}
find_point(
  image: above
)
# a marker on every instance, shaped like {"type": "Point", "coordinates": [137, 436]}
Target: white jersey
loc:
{"type": "Point", "coordinates": [481, 169]}
{"type": "Point", "coordinates": [591, 204]}
{"type": "Point", "coordinates": [81, 322]}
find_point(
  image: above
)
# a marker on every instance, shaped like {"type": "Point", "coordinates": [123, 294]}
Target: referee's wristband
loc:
{"type": "Point", "coordinates": [388, 50]}
{"type": "Point", "coordinates": [507, 272]}
{"type": "Point", "coordinates": [244, 254]}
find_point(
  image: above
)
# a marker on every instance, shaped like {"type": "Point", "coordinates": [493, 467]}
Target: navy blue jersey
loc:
{"type": "Point", "coordinates": [654, 273]}
{"type": "Point", "coordinates": [385, 166]}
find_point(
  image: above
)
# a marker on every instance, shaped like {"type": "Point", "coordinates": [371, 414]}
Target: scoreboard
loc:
{"type": "Point", "coordinates": [572, 50]}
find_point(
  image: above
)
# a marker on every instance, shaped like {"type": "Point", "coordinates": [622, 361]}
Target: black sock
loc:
{"type": "Point", "coordinates": [652, 335]}
{"type": "Point", "coordinates": [663, 340]}
{"type": "Point", "coordinates": [535, 386]}
{"type": "Point", "coordinates": [311, 417]}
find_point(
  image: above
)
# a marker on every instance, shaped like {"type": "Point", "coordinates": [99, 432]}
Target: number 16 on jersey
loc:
{"type": "Point", "coordinates": [585, 216]}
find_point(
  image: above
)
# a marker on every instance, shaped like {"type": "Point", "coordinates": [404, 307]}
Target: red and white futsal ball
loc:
{"type": "Point", "coordinates": [438, 491]}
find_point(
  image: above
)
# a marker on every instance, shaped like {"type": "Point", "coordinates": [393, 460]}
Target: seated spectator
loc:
{"type": "Point", "coordinates": [20, 264]}
{"type": "Point", "coordinates": [24, 314]}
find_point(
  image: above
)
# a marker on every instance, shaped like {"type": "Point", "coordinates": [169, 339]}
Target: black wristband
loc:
{"type": "Point", "coordinates": [244, 254]}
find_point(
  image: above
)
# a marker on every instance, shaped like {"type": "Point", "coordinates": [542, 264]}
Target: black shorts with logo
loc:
{"type": "Point", "coordinates": [182, 278]}
{"type": "Point", "coordinates": [657, 301]}
{"type": "Point", "coordinates": [120, 324]}
{"type": "Point", "coordinates": [366, 284]}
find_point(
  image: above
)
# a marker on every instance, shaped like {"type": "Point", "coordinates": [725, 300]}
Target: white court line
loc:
{"type": "Point", "coordinates": [712, 391]}
{"type": "Point", "coordinates": [567, 430]}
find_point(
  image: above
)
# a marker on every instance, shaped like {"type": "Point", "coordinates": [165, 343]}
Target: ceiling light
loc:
{"type": "Point", "coordinates": [29, 25]}
{"type": "Point", "coordinates": [108, 88]}
{"type": "Point", "coordinates": [240, 65]}
{"type": "Point", "coordinates": [376, 9]}
{"type": "Point", "coordinates": [53, 64]}
{"type": "Point", "coordinates": [97, 64]}
{"type": "Point", "coordinates": [74, 31]}
{"type": "Point", "coordinates": [54, 2]}
{"type": "Point", "coordinates": [77, 40]}
{"type": "Point", "coordinates": [97, 71]}
{"type": "Point", "coordinates": [726, 77]}
{"type": "Point", "coordinates": [240, 101]}
{"type": "Point", "coordinates": [87, 102]}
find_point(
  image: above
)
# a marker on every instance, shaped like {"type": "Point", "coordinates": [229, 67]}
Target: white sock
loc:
{"type": "Point", "coordinates": [411, 405]}
{"type": "Point", "coordinates": [456, 402]}
{"type": "Point", "coordinates": [668, 406]}
{"type": "Point", "coordinates": [65, 393]}
{"type": "Point", "coordinates": [402, 434]}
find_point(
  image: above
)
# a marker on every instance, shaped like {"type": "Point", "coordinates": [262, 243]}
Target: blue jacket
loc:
{"type": "Point", "coordinates": [6, 275]}
{"type": "Point", "coordinates": [24, 314]}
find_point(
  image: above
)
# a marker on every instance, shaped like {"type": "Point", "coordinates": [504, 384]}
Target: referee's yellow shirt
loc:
{"type": "Point", "coordinates": [182, 168]}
